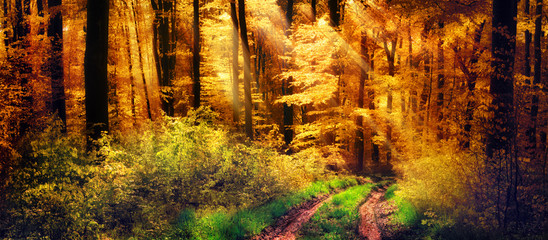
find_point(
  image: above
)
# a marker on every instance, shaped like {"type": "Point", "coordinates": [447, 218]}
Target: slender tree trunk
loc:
{"type": "Point", "coordinates": [247, 70]}
{"type": "Point", "coordinates": [131, 77]}
{"type": "Point", "coordinates": [235, 70]}
{"type": "Point", "coordinates": [164, 50]}
{"type": "Point", "coordinates": [95, 65]}
{"type": "Point", "coordinates": [375, 152]}
{"type": "Point", "coordinates": [196, 88]}
{"type": "Point", "coordinates": [440, 86]}
{"type": "Point", "coordinates": [538, 74]}
{"type": "Point", "coordinates": [314, 10]}
{"type": "Point", "coordinates": [286, 86]}
{"type": "Point", "coordinates": [55, 31]}
{"type": "Point", "coordinates": [145, 87]}
{"type": "Point", "coordinates": [390, 57]}
{"type": "Point", "coordinates": [527, 58]}
{"type": "Point", "coordinates": [361, 89]}
{"type": "Point", "coordinates": [471, 78]}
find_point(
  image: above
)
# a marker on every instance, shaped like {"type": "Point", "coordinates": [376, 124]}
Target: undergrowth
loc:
{"type": "Point", "coordinates": [248, 222]}
{"type": "Point", "coordinates": [406, 214]}
{"type": "Point", "coordinates": [142, 181]}
{"type": "Point", "coordinates": [339, 218]}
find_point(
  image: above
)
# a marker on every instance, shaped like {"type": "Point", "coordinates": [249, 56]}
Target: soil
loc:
{"type": "Point", "coordinates": [375, 217]}
{"type": "Point", "coordinates": [289, 224]}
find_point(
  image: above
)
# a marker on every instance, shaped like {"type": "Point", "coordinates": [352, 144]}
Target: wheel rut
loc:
{"type": "Point", "coordinates": [369, 220]}
{"type": "Point", "coordinates": [289, 224]}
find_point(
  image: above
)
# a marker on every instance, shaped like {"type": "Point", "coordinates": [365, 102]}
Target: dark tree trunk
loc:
{"type": "Point", "coordinates": [334, 12]}
{"type": "Point", "coordinates": [55, 31]}
{"type": "Point", "coordinates": [287, 88]}
{"type": "Point", "coordinates": [471, 78]}
{"type": "Point", "coordinates": [502, 81]}
{"type": "Point", "coordinates": [441, 86]}
{"type": "Point", "coordinates": [247, 70]}
{"type": "Point", "coordinates": [361, 89]}
{"type": "Point", "coordinates": [502, 132]}
{"type": "Point", "coordinates": [527, 58]}
{"type": "Point", "coordinates": [95, 67]}
{"type": "Point", "coordinates": [196, 87]}
{"type": "Point", "coordinates": [537, 77]}
{"type": "Point", "coordinates": [375, 152]}
{"type": "Point", "coordinates": [164, 53]}
{"type": "Point", "coordinates": [390, 57]}
{"type": "Point", "coordinates": [235, 70]}
{"type": "Point", "coordinates": [314, 10]}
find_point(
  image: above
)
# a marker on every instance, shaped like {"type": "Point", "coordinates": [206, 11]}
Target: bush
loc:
{"type": "Point", "coordinates": [143, 181]}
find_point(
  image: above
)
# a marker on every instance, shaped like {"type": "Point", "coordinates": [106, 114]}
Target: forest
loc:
{"type": "Point", "coordinates": [273, 119]}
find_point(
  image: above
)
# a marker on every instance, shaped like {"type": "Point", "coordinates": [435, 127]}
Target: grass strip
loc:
{"type": "Point", "coordinates": [339, 218]}
{"type": "Point", "coordinates": [406, 214]}
{"type": "Point", "coordinates": [249, 222]}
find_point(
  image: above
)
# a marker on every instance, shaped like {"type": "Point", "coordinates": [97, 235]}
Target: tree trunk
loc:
{"type": "Point", "coordinates": [375, 153]}
{"type": "Point", "coordinates": [390, 56]}
{"type": "Point", "coordinates": [502, 81]}
{"type": "Point", "coordinates": [502, 132]}
{"type": "Point", "coordinates": [140, 56]}
{"type": "Point", "coordinates": [196, 87]}
{"type": "Point", "coordinates": [95, 65]}
{"type": "Point", "coordinates": [55, 31]}
{"type": "Point", "coordinates": [537, 77]}
{"type": "Point", "coordinates": [441, 86]}
{"type": "Point", "coordinates": [314, 10]}
{"type": "Point", "coordinates": [247, 70]}
{"type": "Point", "coordinates": [286, 86]}
{"type": "Point", "coordinates": [361, 89]}
{"type": "Point", "coordinates": [164, 50]}
{"type": "Point", "coordinates": [527, 58]}
{"type": "Point", "coordinates": [235, 70]}
{"type": "Point", "coordinates": [334, 13]}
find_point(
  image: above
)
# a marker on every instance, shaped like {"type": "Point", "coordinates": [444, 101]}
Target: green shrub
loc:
{"type": "Point", "coordinates": [144, 181]}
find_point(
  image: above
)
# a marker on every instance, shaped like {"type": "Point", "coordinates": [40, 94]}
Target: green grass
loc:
{"type": "Point", "coordinates": [249, 222]}
{"type": "Point", "coordinates": [406, 214]}
{"type": "Point", "coordinates": [339, 218]}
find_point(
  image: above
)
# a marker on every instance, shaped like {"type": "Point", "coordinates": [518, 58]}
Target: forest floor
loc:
{"type": "Point", "coordinates": [374, 215]}
{"type": "Point", "coordinates": [286, 227]}
{"type": "Point", "coordinates": [374, 223]}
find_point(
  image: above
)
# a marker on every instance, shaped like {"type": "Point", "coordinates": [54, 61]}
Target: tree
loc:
{"type": "Point", "coordinates": [287, 89]}
{"type": "Point", "coordinates": [164, 52]}
{"type": "Point", "coordinates": [247, 70]}
{"type": "Point", "coordinates": [95, 65]}
{"type": "Point", "coordinates": [502, 81]}
{"type": "Point", "coordinates": [334, 12]}
{"type": "Point", "coordinates": [361, 94]}
{"type": "Point", "coordinates": [235, 70]}
{"type": "Point", "coordinates": [502, 134]}
{"type": "Point", "coordinates": [55, 31]}
{"type": "Point", "coordinates": [196, 88]}
{"type": "Point", "coordinates": [537, 77]}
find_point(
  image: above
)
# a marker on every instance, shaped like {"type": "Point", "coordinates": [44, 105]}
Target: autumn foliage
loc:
{"type": "Point", "coordinates": [196, 107]}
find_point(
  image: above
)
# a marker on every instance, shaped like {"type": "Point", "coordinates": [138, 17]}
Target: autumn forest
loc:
{"type": "Point", "coordinates": [273, 119]}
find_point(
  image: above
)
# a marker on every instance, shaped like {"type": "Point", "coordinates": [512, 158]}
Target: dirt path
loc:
{"type": "Point", "coordinates": [369, 221]}
{"type": "Point", "coordinates": [286, 227]}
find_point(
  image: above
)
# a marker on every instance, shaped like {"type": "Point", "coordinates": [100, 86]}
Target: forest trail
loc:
{"type": "Point", "coordinates": [286, 227]}
{"type": "Point", "coordinates": [370, 219]}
